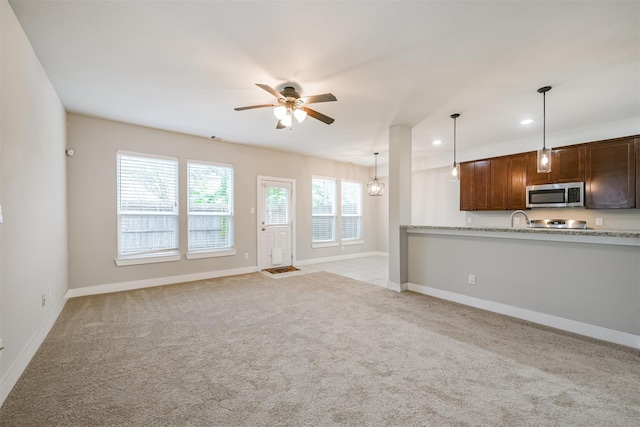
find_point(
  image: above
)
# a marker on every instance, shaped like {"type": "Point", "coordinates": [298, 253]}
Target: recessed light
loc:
{"type": "Point", "coordinates": [437, 142]}
{"type": "Point", "coordinates": [526, 122]}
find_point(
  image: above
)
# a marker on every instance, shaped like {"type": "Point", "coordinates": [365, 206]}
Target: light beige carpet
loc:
{"type": "Point", "coordinates": [314, 350]}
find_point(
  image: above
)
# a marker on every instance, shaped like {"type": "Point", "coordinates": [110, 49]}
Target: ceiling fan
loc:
{"type": "Point", "coordinates": [290, 103]}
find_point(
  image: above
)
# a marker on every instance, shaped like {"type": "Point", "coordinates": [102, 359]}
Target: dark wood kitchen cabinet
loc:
{"type": "Point", "coordinates": [567, 165]}
{"type": "Point", "coordinates": [517, 194]}
{"type": "Point", "coordinates": [638, 173]}
{"type": "Point", "coordinates": [507, 184]}
{"type": "Point", "coordinates": [499, 183]}
{"type": "Point", "coordinates": [474, 185]}
{"type": "Point", "coordinates": [611, 174]}
{"type": "Point", "coordinates": [493, 184]}
{"type": "Point", "coordinates": [610, 170]}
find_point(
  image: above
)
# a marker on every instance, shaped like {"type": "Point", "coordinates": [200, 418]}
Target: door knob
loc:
{"type": "Point", "coordinates": [263, 228]}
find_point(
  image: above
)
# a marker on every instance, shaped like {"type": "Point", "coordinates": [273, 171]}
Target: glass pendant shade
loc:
{"type": "Point", "coordinates": [455, 171]}
{"type": "Point", "coordinates": [280, 111]}
{"type": "Point", "coordinates": [286, 120]}
{"type": "Point", "coordinates": [544, 153]}
{"type": "Point", "coordinates": [544, 160]}
{"type": "Point", "coordinates": [375, 187]}
{"type": "Point", "coordinates": [300, 115]}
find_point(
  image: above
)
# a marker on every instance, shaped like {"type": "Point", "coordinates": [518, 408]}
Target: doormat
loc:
{"type": "Point", "coordinates": [278, 270]}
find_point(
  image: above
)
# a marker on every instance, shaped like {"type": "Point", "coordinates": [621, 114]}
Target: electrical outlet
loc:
{"type": "Point", "coordinates": [472, 279]}
{"type": "Point", "coordinates": [599, 221]}
{"type": "Point", "coordinates": [469, 220]}
{"type": "Point", "coordinates": [44, 300]}
{"type": "Point", "coordinates": [516, 221]}
{"type": "Point", "coordinates": [246, 255]}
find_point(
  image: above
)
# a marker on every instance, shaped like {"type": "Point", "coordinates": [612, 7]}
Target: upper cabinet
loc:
{"type": "Point", "coordinates": [611, 174]}
{"type": "Point", "coordinates": [638, 173]}
{"type": "Point", "coordinates": [493, 184]}
{"type": "Point", "coordinates": [517, 195]}
{"type": "Point", "coordinates": [610, 170]}
{"type": "Point", "coordinates": [474, 185]}
{"type": "Point", "coordinates": [567, 165]}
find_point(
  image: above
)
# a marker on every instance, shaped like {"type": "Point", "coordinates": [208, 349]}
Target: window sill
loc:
{"type": "Point", "coordinates": [315, 245]}
{"type": "Point", "coordinates": [210, 254]}
{"type": "Point", "coordinates": [147, 259]}
{"type": "Point", "coordinates": [353, 242]}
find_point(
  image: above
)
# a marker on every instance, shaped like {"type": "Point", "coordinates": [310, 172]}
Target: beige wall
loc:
{"type": "Point", "coordinates": [91, 176]}
{"type": "Point", "coordinates": [33, 239]}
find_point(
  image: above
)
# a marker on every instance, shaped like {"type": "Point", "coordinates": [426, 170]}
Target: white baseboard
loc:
{"type": "Point", "coordinates": [159, 281]}
{"type": "Point", "coordinates": [593, 331]}
{"type": "Point", "coordinates": [15, 371]}
{"type": "Point", "coordinates": [338, 258]}
{"type": "Point", "coordinates": [398, 287]}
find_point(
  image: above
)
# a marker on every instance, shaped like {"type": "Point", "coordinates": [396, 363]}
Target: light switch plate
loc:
{"type": "Point", "coordinates": [599, 221]}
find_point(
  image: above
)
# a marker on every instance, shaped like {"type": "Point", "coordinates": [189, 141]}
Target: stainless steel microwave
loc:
{"type": "Point", "coordinates": [561, 195]}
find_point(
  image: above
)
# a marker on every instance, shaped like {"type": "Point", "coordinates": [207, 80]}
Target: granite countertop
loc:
{"type": "Point", "coordinates": [562, 231]}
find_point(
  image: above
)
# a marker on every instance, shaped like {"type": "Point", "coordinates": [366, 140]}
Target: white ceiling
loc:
{"type": "Point", "coordinates": [184, 65]}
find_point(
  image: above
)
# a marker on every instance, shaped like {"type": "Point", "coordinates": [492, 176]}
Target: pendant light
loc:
{"type": "Point", "coordinates": [544, 154]}
{"type": "Point", "coordinates": [455, 167]}
{"type": "Point", "coordinates": [375, 187]}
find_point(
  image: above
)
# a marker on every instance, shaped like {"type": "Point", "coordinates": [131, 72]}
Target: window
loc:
{"type": "Point", "coordinates": [147, 206]}
{"type": "Point", "coordinates": [351, 210]}
{"type": "Point", "coordinates": [276, 206]}
{"type": "Point", "coordinates": [324, 209]}
{"type": "Point", "coordinates": [210, 210]}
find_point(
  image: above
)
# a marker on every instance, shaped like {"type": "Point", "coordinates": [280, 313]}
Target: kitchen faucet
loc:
{"type": "Point", "coordinates": [526, 218]}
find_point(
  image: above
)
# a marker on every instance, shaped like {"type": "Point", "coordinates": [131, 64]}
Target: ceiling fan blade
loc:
{"type": "Point", "coordinates": [280, 125]}
{"type": "Point", "coordinates": [254, 106]}
{"type": "Point", "coordinates": [319, 116]}
{"type": "Point", "coordinates": [271, 90]}
{"type": "Point", "coordinates": [325, 97]}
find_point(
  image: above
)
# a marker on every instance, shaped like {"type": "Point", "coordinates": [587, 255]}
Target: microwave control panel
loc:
{"type": "Point", "coordinates": [573, 195]}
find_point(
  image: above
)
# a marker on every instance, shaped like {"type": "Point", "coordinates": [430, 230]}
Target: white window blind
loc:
{"type": "Point", "coordinates": [324, 209]}
{"type": "Point", "coordinates": [147, 205]}
{"type": "Point", "coordinates": [351, 210]}
{"type": "Point", "coordinates": [210, 210]}
{"type": "Point", "coordinates": [276, 206]}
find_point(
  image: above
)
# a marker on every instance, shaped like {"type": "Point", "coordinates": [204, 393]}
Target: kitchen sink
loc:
{"type": "Point", "coordinates": [558, 223]}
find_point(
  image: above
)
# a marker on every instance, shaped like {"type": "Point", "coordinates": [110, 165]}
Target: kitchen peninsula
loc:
{"type": "Point", "coordinates": [583, 281]}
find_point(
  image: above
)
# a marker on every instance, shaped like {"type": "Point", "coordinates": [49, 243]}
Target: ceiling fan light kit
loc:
{"type": "Point", "coordinates": [544, 153]}
{"type": "Point", "coordinates": [290, 103]}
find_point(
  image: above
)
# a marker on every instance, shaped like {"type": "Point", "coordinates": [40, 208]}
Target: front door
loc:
{"type": "Point", "coordinates": [275, 222]}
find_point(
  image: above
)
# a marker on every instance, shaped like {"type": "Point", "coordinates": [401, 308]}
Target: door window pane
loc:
{"type": "Point", "coordinates": [276, 206]}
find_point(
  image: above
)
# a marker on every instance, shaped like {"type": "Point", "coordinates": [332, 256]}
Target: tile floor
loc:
{"type": "Point", "coordinates": [371, 269]}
